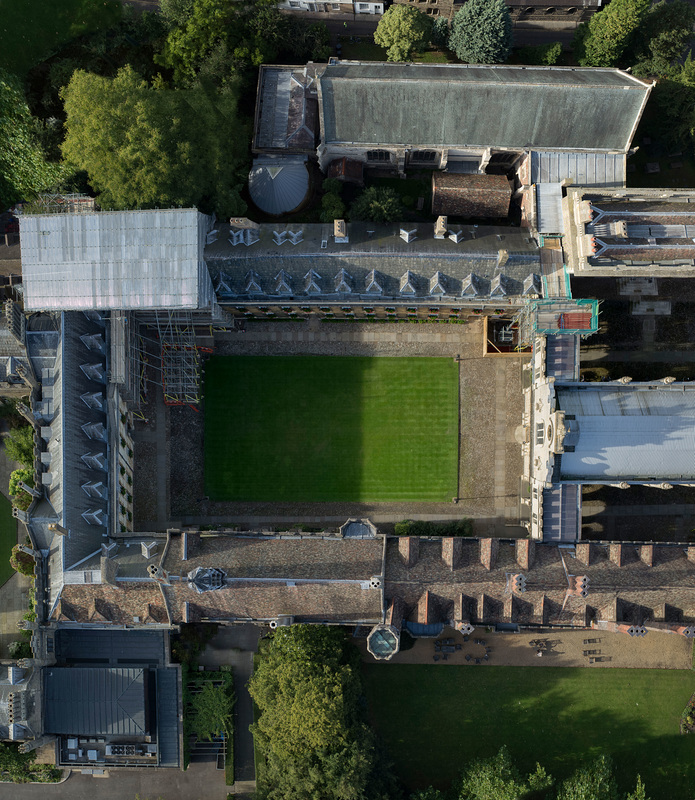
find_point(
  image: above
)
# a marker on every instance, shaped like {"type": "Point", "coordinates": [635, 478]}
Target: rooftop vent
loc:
{"type": "Point", "coordinates": [95, 516]}
{"type": "Point", "coordinates": [95, 372]}
{"type": "Point", "coordinates": [440, 227]}
{"type": "Point", "coordinates": [279, 237]}
{"type": "Point", "coordinates": [295, 237]}
{"type": "Point", "coordinates": [95, 489]}
{"type": "Point", "coordinates": [408, 283]}
{"type": "Point", "coordinates": [343, 282]}
{"type": "Point", "coordinates": [95, 430]}
{"type": "Point", "coordinates": [93, 400]}
{"type": "Point", "coordinates": [311, 282]}
{"type": "Point", "coordinates": [408, 236]}
{"type": "Point", "coordinates": [456, 236]}
{"type": "Point", "coordinates": [93, 341]}
{"type": "Point", "coordinates": [252, 283]}
{"type": "Point", "coordinates": [95, 461]}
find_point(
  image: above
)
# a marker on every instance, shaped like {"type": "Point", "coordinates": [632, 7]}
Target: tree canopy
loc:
{"type": "Point", "coordinates": [24, 168]}
{"type": "Point", "coordinates": [401, 30]}
{"type": "Point", "coordinates": [481, 32]}
{"type": "Point", "coordinates": [310, 732]}
{"type": "Point", "coordinates": [144, 147]}
{"type": "Point", "coordinates": [19, 445]}
{"type": "Point", "coordinates": [221, 39]}
{"type": "Point", "coordinates": [377, 203]}
{"type": "Point", "coordinates": [603, 40]}
{"type": "Point", "coordinates": [211, 709]}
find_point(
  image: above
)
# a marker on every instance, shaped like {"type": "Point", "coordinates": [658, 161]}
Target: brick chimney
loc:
{"type": "Point", "coordinates": [452, 547]}
{"type": "Point", "coordinates": [525, 553]}
{"type": "Point", "coordinates": [488, 552]}
{"type": "Point", "coordinates": [646, 554]}
{"type": "Point", "coordinates": [409, 547]}
{"type": "Point", "coordinates": [583, 552]}
{"type": "Point", "coordinates": [425, 610]}
{"type": "Point", "coordinates": [691, 553]}
{"type": "Point", "coordinates": [616, 553]}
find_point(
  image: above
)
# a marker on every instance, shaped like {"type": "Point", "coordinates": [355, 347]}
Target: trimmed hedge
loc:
{"type": "Point", "coordinates": [411, 527]}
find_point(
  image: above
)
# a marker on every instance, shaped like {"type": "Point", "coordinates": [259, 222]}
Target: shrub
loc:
{"type": "Point", "coordinates": [332, 208]}
{"type": "Point", "coordinates": [24, 474]}
{"type": "Point", "coordinates": [332, 186]}
{"type": "Point", "coordinates": [19, 649]}
{"type": "Point", "coordinates": [541, 54]}
{"type": "Point", "coordinates": [19, 445]}
{"type": "Point", "coordinates": [440, 32]}
{"type": "Point", "coordinates": [21, 561]}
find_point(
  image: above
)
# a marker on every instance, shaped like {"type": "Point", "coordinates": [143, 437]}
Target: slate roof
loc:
{"type": "Point", "coordinates": [475, 105]}
{"type": "Point", "coordinates": [96, 702]}
{"type": "Point", "coordinates": [115, 259]}
{"type": "Point", "coordinates": [254, 272]}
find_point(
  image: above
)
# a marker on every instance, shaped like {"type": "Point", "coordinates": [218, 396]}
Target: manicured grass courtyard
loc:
{"type": "Point", "coordinates": [331, 428]}
{"type": "Point", "coordinates": [8, 538]}
{"type": "Point", "coordinates": [435, 718]}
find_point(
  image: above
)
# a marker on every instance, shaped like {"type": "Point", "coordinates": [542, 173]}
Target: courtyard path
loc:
{"type": "Point", "coordinates": [565, 648]}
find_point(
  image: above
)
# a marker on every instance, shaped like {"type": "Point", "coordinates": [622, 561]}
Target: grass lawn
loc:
{"type": "Point", "coordinates": [434, 719]}
{"type": "Point", "coordinates": [31, 31]}
{"type": "Point", "coordinates": [8, 538]}
{"type": "Point", "coordinates": [314, 428]}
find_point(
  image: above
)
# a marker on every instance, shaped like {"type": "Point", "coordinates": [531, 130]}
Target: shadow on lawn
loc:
{"type": "Point", "coordinates": [558, 717]}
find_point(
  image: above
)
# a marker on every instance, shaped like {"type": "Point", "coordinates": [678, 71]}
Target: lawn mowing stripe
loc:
{"type": "Point", "coordinates": [331, 428]}
{"type": "Point", "coordinates": [435, 718]}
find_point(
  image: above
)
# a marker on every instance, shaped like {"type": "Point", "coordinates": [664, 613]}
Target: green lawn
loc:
{"type": "Point", "coordinates": [32, 31]}
{"type": "Point", "coordinates": [8, 538]}
{"type": "Point", "coordinates": [436, 718]}
{"type": "Point", "coordinates": [313, 428]}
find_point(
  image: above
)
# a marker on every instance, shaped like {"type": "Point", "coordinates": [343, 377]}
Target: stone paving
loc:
{"type": "Point", "coordinates": [491, 408]}
{"type": "Point", "coordinates": [562, 648]}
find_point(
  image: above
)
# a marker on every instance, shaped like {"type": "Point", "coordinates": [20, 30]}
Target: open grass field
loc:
{"type": "Point", "coordinates": [331, 428]}
{"type": "Point", "coordinates": [32, 31]}
{"type": "Point", "coordinates": [8, 538]}
{"type": "Point", "coordinates": [435, 718]}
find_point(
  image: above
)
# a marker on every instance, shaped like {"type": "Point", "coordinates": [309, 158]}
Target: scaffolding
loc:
{"type": "Point", "coordinates": [561, 317]}
{"type": "Point", "coordinates": [59, 203]}
{"type": "Point", "coordinates": [180, 358]}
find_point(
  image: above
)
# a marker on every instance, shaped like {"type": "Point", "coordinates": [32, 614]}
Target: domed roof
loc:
{"type": "Point", "coordinates": [278, 185]}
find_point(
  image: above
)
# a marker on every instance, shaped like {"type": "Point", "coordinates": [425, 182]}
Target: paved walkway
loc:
{"type": "Point", "coordinates": [491, 404]}
{"type": "Point", "coordinates": [201, 781]}
{"type": "Point", "coordinates": [235, 646]}
{"type": "Point", "coordinates": [562, 648]}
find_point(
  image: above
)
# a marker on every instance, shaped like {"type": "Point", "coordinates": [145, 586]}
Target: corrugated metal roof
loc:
{"type": "Point", "coordinates": [119, 259]}
{"type": "Point", "coordinates": [630, 433]}
{"type": "Point", "coordinates": [480, 105]}
{"type": "Point", "coordinates": [561, 513]}
{"type": "Point", "coordinates": [549, 208]}
{"type": "Point", "coordinates": [583, 169]}
{"type": "Point", "coordinates": [95, 702]}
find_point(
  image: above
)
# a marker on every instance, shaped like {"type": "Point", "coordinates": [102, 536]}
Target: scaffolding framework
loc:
{"type": "Point", "coordinates": [180, 358]}
{"type": "Point", "coordinates": [56, 203]}
{"type": "Point", "coordinates": [560, 317]}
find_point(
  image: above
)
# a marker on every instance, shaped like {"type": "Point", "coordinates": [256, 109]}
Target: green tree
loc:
{"type": "Point", "coordinates": [24, 169]}
{"type": "Point", "coordinates": [332, 207]}
{"type": "Point", "coordinates": [19, 445]}
{"type": "Point", "coordinates": [440, 33]}
{"type": "Point", "coordinates": [603, 40]}
{"type": "Point", "coordinates": [481, 32]}
{"type": "Point", "coordinates": [144, 147]}
{"type": "Point", "coordinates": [377, 203]}
{"type": "Point", "coordinates": [541, 54]}
{"type": "Point", "coordinates": [640, 792]}
{"type": "Point", "coordinates": [19, 649]}
{"type": "Point", "coordinates": [662, 37]}
{"type": "Point", "coordinates": [310, 733]}
{"type": "Point", "coordinates": [592, 782]}
{"type": "Point", "coordinates": [211, 710]}
{"type": "Point", "coordinates": [492, 779]}
{"type": "Point", "coordinates": [401, 30]}
{"type": "Point", "coordinates": [176, 12]}
{"type": "Point", "coordinates": [25, 474]}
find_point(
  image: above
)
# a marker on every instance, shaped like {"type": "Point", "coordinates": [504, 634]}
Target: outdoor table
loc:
{"type": "Point", "coordinates": [448, 648]}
